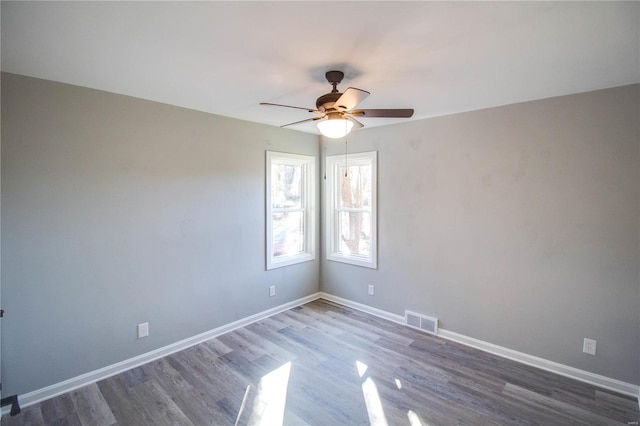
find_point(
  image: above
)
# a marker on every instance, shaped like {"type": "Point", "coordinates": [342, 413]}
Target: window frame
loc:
{"type": "Point", "coordinates": [307, 200]}
{"type": "Point", "coordinates": [332, 208]}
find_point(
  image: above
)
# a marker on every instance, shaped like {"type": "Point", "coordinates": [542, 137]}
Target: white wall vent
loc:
{"type": "Point", "coordinates": [421, 322]}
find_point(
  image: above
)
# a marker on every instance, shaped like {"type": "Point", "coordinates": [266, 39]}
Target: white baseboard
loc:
{"type": "Point", "coordinates": [364, 308]}
{"type": "Point", "coordinates": [56, 389]}
{"type": "Point", "coordinates": [554, 367]}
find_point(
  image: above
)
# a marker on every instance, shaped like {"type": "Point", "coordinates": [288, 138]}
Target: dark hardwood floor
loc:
{"type": "Point", "coordinates": [325, 364]}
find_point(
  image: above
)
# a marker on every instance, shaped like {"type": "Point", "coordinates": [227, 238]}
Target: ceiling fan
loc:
{"type": "Point", "coordinates": [337, 111]}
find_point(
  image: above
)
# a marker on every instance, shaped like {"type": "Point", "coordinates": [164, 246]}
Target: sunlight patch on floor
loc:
{"type": "Point", "coordinates": [268, 405]}
{"type": "Point", "coordinates": [374, 405]}
{"type": "Point", "coordinates": [371, 398]}
{"type": "Point", "coordinates": [362, 368]}
{"type": "Point", "coordinates": [414, 419]}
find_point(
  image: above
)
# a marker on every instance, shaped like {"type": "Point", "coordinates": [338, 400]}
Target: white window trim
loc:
{"type": "Point", "coordinates": [333, 164]}
{"type": "Point", "coordinates": [308, 201]}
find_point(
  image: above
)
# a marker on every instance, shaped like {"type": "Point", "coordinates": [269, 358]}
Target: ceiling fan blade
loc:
{"type": "Point", "coordinates": [350, 98]}
{"type": "Point", "coordinates": [289, 106]}
{"type": "Point", "coordinates": [390, 113]}
{"type": "Point", "coordinates": [356, 123]}
{"type": "Point", "coordinates": [302, 121]}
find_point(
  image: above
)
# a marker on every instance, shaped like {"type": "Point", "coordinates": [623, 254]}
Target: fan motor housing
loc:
{"type": "Point", "coordinates": [326, 101]}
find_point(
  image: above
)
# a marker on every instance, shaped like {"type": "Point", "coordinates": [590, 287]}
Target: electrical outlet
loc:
{"type": "Point", "coordinates": [589, 346]}
{"type": "Point", "coordinates": [371, 290]}
{"type": "Point", "coordinates": [143, 330]}
{"type": "Point", "coordinates": [272, 290]}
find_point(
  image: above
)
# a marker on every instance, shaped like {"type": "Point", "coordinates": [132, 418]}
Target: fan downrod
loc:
{"type": "Point", "coordinates": [334, 77]}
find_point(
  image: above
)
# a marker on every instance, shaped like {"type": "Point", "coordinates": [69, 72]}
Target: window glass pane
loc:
{"type": "Point", "coordinates": [355, 187]}
{"type": "Point", "coordinates": [288, 233]}
{"type": "Point", "coordinates": [354, 233]}
{"type": "Point", "coordinates": [286, 185]}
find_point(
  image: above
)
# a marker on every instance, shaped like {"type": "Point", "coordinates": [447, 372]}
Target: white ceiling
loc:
{"type": "Point", "coordinates": [226, 57]}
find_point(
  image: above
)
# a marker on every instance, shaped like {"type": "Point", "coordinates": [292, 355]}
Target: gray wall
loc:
{"type": "Point", "coordinates": [117, 211]}
{"type": "Point", "coordinates": [515, 225]}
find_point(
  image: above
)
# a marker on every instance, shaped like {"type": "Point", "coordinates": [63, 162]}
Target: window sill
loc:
{"type": "Point", "coordinates": [353, 260]}
{"type": "Point", "coordinates": [290, 260]}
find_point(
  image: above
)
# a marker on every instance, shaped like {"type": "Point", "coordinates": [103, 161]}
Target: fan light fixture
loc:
{"type": "Point", "coordinates": [335, 126]}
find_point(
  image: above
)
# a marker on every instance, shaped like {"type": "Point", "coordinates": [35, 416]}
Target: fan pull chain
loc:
{"type": "Point", "coordinates": [345, 148]}
{"type": "Point", "coordinates": [324, 162]}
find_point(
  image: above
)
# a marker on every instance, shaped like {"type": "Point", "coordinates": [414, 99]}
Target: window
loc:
{"type": "Point", "coordinates": [351, 209]}
{"type": "Point", "coordinates": [290, 201]}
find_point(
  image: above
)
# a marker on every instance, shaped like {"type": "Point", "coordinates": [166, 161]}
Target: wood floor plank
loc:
{"type": "Point", "coordinates": [126, 406]}
{"type": "Point", "coordinates": [344, 367]}
{"type": "Point", "coordinates": [266, 346]}
{"type": "Point", "coordinates": [160, 406]}
{"type": "Point", "coordinates": [58, 407]}
{"type": "Point", "coordinates": [624, 403]}
{"type": "Point", "coordinates": [168, 377]}
{"type": "Point", "coordinates": [314, 396]}
{"type": "Point", "coordinates": [216, 347]}
{"type": "Point", "coordinates": [345, 322]}
{"type": "Point", "coordinates": [70, 420]}
{"type": "Point", "coordinates": [218, 381]}
{"type": "Point", "coordinates": [279, 338]}
{"type": "Point", "coordinates": [199, 405]}
{"type": "Point", "coordinates": [595, 405]}
{"type": "Point", "coordinates": [30, 416]}
{"type": "Point", "coordinates": [91, 406]}
{"type": "Point", "coordinates": [569, 412]}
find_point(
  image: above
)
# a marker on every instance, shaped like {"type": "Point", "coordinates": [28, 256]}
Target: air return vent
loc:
{"type": "Point", "coordinates": [421, 322]}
